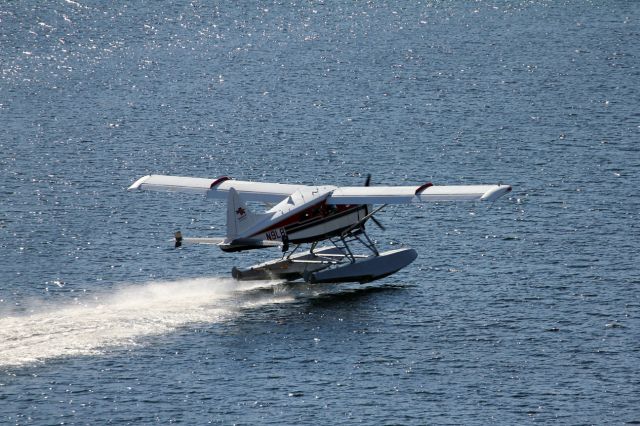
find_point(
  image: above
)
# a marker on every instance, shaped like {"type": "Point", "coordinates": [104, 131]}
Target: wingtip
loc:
{"type": "Point", "coordinates": [496, 192]}
{"type": "Point", "coordinates": [136, 184]}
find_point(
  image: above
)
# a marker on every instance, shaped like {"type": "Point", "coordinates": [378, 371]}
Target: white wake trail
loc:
{"type": "Point", "coordinates": [121, 318]}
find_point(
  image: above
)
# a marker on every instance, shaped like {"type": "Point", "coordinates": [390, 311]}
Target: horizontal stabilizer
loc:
{"type": "Point", "coordinates": [239, 244]}
{"type": "Point", "coordinates": [203, 240]}
{"type": "Point", "coordinates": [179, 240]}
{"type": "Point", "coordinates": [242, 244]}
{"type": "Point", "coordinates": [256, 243]}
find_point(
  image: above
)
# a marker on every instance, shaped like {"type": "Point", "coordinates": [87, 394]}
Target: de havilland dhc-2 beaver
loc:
{"type": "Point", "coordinates": [303, 214]}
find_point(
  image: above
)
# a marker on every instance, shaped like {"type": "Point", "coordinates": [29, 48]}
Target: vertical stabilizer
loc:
{"type": "Point", "coordinates": [239, 218]}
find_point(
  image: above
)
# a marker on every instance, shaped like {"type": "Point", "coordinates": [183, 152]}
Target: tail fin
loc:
{"type": "Point", "coordinates": [239, 218]}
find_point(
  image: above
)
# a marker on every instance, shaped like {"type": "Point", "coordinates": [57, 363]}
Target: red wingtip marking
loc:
{"type": "Point", "coordinates": [423, 187]}
{"type": "Point", "coordinates": [219, 181]}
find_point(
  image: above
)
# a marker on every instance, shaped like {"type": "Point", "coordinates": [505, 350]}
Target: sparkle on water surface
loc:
{"type": "Point", "coordinates": [523, 311]}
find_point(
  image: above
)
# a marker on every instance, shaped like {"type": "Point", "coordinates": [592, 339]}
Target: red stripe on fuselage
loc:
{"type": "Point", "coordinates": [312, 216]}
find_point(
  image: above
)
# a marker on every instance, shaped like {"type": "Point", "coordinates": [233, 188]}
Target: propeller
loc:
{"type": "Point", "coordinates": [367, 182]}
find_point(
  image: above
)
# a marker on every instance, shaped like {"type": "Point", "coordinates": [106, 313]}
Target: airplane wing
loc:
{"type": "Point", "coordinates": [416, 194]}
{"type": "Point", "coordinates": [276, 192]}
{"type": "Point", "coordinates": [217, 188]}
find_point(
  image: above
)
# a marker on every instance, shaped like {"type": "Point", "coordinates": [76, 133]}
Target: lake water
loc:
{"type": "Point", "coordinates": [525, 311]}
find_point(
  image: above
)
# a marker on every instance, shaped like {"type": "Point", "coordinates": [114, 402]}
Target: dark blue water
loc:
{"type": "Point", "coordinates": [524, 312]}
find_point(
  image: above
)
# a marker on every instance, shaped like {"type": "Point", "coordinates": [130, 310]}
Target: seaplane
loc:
{"type": "Point", "coordinates": [298, 215]}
